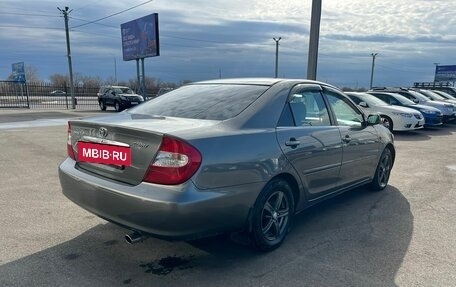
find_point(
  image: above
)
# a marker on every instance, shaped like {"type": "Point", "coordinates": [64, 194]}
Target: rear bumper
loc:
{"type": "Point", "coordinates": [172, 212]}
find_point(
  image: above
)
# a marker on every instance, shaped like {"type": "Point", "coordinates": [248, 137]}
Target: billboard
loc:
{"type": "Point", "coordinates": [18, 72]}
{"type": "Point", "coordinates": [445, 73]}
{"type": "Point", "coordinates": [140, 38]}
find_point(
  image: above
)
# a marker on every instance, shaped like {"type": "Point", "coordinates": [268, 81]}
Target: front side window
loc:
{"type": "Point", "coordinates": [346, 114]}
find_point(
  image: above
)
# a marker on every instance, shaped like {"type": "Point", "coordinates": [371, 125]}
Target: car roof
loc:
{"type": "Point", "coordinates": [119, 87]}
{"type": "Point", "coordinates": [389, 89]}
{"type": "Point", "coordinates": [393, 94]}
{"type": "Point", "coordinates": [111, 87]}
{"type": "Point", "coordinates": [259, 81]}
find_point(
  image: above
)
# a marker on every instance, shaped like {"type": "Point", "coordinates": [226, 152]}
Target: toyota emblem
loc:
{"type": "Point", "coordinates": [103, 132]}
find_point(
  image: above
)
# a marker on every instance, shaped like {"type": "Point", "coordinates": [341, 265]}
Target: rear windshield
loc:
{"type": "Point", "coordinates": [205, 101]}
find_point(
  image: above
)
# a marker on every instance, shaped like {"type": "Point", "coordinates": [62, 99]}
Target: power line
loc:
{"type": "Point", "coordinates": [30, 27]}
{"type": "Point", "coordinates": [89, 22]}
{"type": "Point", "coordinates": [96, 34]}
{"type": "Point", "coordinates": [28, 14]}
{"type": "Point", "coordinates": [109, 16]}
{"type": "Point", "coordinates": [162, 36]}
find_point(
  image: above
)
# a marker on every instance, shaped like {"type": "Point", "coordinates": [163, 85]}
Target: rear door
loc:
{"type": "Point", "coordinates": [309, 141]}
{"type": "Point", "coordinates": [360, 142]}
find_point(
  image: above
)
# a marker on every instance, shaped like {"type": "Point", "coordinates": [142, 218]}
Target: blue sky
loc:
{"type": "Point", "coordinates": [199, 38]}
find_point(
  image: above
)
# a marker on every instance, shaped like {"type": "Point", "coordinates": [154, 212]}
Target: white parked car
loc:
{"type": "Point", "coordinates": [395, 118]}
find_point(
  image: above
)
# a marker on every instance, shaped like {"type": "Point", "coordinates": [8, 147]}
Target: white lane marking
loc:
{"type": "Point", "coordinates": [33, 124]}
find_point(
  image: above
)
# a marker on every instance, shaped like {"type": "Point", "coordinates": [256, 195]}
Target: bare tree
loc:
{"type": "Point", "coordinates": [91, 81]}
{"type": "Point", "coordinates": [31, 74]}
{"type": "Point", "coordinates": [58, 80]}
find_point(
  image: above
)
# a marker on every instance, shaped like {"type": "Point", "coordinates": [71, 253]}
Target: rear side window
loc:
{"type": "Point", "coordinates": [206, 101]}
{"type": "Point", "coordinates": [308, 109]}
{"type": "Point", "coordinates": [384, 98]}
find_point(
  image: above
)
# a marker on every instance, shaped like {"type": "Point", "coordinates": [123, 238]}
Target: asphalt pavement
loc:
{"type": "Point", "coordinates": [402, 236]}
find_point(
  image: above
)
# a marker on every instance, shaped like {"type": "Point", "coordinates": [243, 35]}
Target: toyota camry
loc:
{"type": "Point", "coordinates": [224, 156]}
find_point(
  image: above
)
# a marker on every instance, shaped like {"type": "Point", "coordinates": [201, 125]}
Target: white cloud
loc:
{"type": "Point", "coordinates": [238, 34]}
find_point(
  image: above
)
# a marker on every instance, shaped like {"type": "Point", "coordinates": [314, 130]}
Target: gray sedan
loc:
{"type": "Point", "coordinates": [222, 156]}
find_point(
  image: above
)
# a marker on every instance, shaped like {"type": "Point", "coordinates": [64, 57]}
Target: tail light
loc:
{"type": "Point", "coordinates": [175, 163]}
{"type": "Point", "coordinates": [70, 150]}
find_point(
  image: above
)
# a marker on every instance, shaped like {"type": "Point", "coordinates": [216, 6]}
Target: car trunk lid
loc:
{"type": "Point", "coordinates": [141, 134]}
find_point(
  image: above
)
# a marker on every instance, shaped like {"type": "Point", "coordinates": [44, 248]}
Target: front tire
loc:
{"type": "Point", "coordinates": [383, 171]}
{"type": "Point", "coordinates": [102, 106]}
{"type": "Point", "coordinates": [387, 123]}
{"type": "Point", "coordinates": [272, 216]}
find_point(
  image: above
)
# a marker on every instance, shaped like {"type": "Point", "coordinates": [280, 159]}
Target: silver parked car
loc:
{"type": "Point", "coordinates": [224, 155]}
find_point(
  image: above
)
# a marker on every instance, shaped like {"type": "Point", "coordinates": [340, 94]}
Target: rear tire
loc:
{"type": "Point", "coordinates": [102, 106]}
{"type": "Point", "coordinates": [272, 216]}
{"type": "Point", "coordinates": [117, 107]}
{"type": "Point", "coordinates": [383, 171]}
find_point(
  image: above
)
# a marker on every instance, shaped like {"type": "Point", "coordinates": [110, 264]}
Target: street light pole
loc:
{"type": "Point", "coordinates": [65, 13]}
{"type": "Point", "coordinates": [372, 70]}
{"type": "Point", "coordinates": [313, 40]}
{"type": "Point", "coordinates": [277, 56]}
{"type": "Point", "coordinates": [115, 70]}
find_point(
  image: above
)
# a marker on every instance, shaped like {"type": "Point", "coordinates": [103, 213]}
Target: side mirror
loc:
{"type": "Point", "coordinates": [373, 119]}
{"type": "Point", "coordinates": [363, 104]}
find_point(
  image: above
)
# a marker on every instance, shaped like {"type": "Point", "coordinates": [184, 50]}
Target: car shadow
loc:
{"type": "Point", "coordinates": [356, 239]}
{"type": "Point", "coordinates": [425, 134]}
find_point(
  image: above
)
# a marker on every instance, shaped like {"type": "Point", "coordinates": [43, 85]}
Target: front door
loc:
{"type": "Point", "coordinates": [311, 144]}
{"type": "Point", "coordinates": [360, 142]}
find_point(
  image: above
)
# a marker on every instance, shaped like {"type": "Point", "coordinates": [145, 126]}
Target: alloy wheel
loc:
{"type": "Point", "coordinates": [384, 170]}
{"type": "Point", "coordinates": [275, 215]}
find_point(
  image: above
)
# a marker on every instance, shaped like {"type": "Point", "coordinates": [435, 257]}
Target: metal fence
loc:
{"type": "Point", "coordinates": [47, 96]}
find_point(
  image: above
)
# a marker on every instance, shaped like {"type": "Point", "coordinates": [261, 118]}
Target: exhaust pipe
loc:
{"type": "Point", "coordinates": [135, 237]}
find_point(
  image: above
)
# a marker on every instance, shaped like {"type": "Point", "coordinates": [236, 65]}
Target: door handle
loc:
{"type": "Point", "coordinates": [292, 142]}
{"type": "Point", "coordinates": [346, 139]}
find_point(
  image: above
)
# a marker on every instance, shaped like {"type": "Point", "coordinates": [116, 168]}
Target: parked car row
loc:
{"type": "Point", "coordinates": [405, 109]}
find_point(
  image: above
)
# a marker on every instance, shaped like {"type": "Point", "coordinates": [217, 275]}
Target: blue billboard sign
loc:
{"type": "Point", "coordinates": [140, 38]}
{"type": "Point", "coordinates": [18, 72]}
{"type": "Point", "coordinates": [445, 73]}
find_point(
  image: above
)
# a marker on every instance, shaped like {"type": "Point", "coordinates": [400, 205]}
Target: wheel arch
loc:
{"type": "Point", "coordinates": [385, 116]}
{"type": "Point", "coordinates": [392, 149]}
{"type": "Point", "coordinates": [291, 180]}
